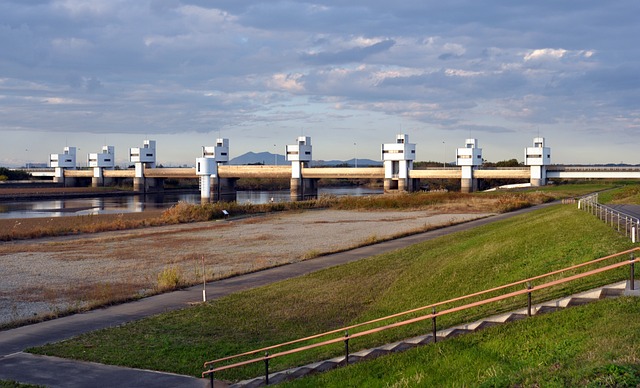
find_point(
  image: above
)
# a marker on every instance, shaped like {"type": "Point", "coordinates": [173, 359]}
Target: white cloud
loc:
{"type": "Point", "coordinates": [547, 53]}
{"type": "Point", "coordinates": [287, 82]}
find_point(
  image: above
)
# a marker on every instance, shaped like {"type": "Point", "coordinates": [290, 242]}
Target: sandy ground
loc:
{"type": "Point", "coordinates": [50, 275]}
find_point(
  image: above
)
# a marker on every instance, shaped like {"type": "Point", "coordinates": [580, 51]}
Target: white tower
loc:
{"type": "Point", "coordinates": [104, 159]}
{"type": "Point", "coordinates": [398, 159]}
{"type": "Point", "coordinates": [469, 158]}
{"type": "Point", "coordinates": [67, 159]}
{"type": "Point", "coordinates": [145, 154]}
{"type": "Point", "coordinates": [538, 158]}
{"type": "Point", "coordinates": [143, 157]}
{"type": "Point", "coordinates": [299, 155]}
{"type": "Point", "coordinates": [207, 166]}
{"type": "Point", "coordinates": [100, 161]}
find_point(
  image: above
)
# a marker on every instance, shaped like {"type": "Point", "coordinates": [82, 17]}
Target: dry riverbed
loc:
{"type": "Point", "coordinates": [47, 276]}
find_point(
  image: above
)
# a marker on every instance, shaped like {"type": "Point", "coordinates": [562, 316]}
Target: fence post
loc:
{"type": "Point", "coordinates": [266, 368]}
{"type": "Point", "coordinates": [346, 348]}
{"type": "Point", "coordinates": [529, 299]}
{"type": "Point", "coordinates": [626, 225]}
{"type": "Point", "coordinates": [211, 375]}
{"type": "Point", "coordinates": [433, 326]}
{"type": "Point", "coordinates": [632, 277]}
{"type": "Point", "coordinates": [633, 234]}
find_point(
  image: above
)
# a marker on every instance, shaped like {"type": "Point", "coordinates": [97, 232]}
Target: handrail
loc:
{"type": "Point", "coordinates": [396, 315]}
{"type": "Point", "coordinates": [607, 214]}
{"type": "Point", "coordinates": [428, 316]}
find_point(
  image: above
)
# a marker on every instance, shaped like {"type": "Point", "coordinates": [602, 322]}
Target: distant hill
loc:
{"type": "Point", "coordinates": [350, 162]}
{"type": "Point", "coordinates": [261, 157]}
{"type": "Point", "coordinates": [268, 158]}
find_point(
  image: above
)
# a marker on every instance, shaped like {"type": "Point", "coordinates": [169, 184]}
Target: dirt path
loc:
{"type": "Point", "coordinates": [47, 276]}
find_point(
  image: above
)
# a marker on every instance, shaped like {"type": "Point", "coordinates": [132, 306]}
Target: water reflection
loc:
{"type": "Point", "coordinates": [139, 203]}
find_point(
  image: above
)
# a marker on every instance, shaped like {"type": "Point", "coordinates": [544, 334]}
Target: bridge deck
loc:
{"type": "Point", "coordinates": [284, 171]}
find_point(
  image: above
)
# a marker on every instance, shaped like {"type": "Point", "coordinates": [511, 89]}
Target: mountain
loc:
{"type": "Point", "coordinates": [261, 157]}
{"type": "Point", "coordinates": [268, 158]}
{"type": "Point", "coordinates": [350, 162]}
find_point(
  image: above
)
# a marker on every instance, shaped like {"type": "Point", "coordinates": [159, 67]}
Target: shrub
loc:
{"type": "Point", "coordinates": [170, 278]}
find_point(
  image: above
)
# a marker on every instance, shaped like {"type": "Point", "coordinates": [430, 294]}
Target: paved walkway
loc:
{"type": "Point", "coordinates": [55, 372]}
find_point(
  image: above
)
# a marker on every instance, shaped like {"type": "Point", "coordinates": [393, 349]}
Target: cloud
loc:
{"type": "Point", "coordinates": [355, 54]}
{"type": "Point", "coordinates": [475, 128]}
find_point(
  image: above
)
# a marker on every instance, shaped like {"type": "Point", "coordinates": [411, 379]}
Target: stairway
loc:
{"type": "Point", "coordinates": [610, 291]}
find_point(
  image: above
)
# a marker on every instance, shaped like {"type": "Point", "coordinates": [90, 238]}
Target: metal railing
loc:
{"type": "Point", "coordinates": [623, 223]}
{"type": "Point", "coordinates": [344, 335]}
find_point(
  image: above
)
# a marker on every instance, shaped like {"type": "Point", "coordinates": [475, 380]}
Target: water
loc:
{"type": "Point", "coordinates": [139, 203]}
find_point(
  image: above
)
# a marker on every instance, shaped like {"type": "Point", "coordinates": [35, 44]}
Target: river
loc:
{"type": "Point", "coordinates": [138, 203]}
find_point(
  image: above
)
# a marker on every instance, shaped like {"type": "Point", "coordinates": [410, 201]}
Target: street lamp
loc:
{"type": "Point", "coordinates": [275, 156]}
{"type": "Point", "coordinates": [355, 146]}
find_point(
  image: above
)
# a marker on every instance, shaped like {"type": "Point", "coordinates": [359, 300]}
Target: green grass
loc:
{"type": "Point", "coordinates": [575, 189]}
{"type": "Point", "coordinates": [454, 265]}
{"type": "Point", "coordinates": [595, 345]}
{"type": "Point", "coordinates": [627, 194]}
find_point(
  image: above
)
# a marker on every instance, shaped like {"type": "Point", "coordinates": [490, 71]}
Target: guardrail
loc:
{"type": "Point", "coordinates": [623, 223]}
{"type": "Point", "coordinates": [528, 291]}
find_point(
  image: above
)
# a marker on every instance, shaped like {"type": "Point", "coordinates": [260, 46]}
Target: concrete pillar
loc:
{"type": "Point", "coordinates": [224, 189]}
{"type": "Point", "coordinates": [390, 185]}
{"type": "Point", "coordinates": [310, 188]}
{"type": "Point", "coordinates": [302, 189]}
{"type": "Point", "coordinates": [97, 179]}
{"type": "Point", "coordinates": [468, 185]}
{"type": "Point", "coordinates": [58, 176]}
{"type": "Point", "coordinates": [538, 176]}
{"type": "Point", "coordinates": [402, 185]}
{"type": "Point", "coordinates": [138, 180]}
{"type": "Point", "coordinates": [205, 188]}
{"type": "Point", "coordinates": [142, 184]}
{"type": "Point", "coordinates": [138, 185]}
{"type": "Point", "coordinates": [296, 189]}
{"type": "Point", "coordinates": [154, 185]}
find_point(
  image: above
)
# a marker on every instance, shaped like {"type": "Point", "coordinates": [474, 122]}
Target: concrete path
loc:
{"type": "Point", "coordinates": [632, 210]}
{"type": "Point", "coordinates": [55, 372]}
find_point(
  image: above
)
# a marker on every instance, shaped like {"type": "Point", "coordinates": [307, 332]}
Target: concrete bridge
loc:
{"type": "Point", "coordinates": [217, 178]}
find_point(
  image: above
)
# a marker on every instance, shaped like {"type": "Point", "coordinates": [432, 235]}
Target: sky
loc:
{"type": "Point", "coordinates": [350, 74]}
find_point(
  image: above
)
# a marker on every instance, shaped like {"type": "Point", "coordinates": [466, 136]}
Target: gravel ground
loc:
{"type": "Point", "coordinates": [50, 275]}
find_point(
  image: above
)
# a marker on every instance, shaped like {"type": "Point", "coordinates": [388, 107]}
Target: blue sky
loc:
{"type": "Point", "coordinates": [87, 73]}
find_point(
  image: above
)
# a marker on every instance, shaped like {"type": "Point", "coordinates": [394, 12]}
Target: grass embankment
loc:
{"type": "Point", "coordinates": [17, 229]}
{"type": "Point", "coordinates": [627, 194]}
{"type": "Point", "coordinates": [425, 273]}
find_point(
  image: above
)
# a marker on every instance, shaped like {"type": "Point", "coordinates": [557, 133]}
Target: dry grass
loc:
{"type": "Point", "coordinates": [26, 228]}
{"type": "Point", "coordinates": [187, 213]}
